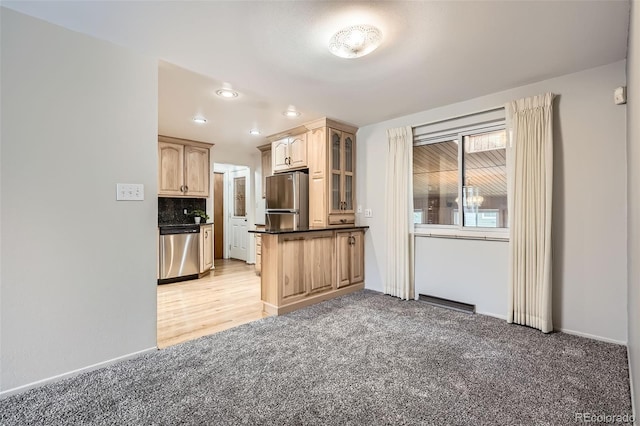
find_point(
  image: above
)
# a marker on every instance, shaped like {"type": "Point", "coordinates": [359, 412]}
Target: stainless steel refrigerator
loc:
{"type": "Point", "coordinates": [287, 201]}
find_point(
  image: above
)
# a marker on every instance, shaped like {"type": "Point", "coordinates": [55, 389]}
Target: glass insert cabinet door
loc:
{"type": "Point", "coordinates": [348, 171]}
{"type": "Point", "coordinates": [342, 171]}
{"type": "Point", "coordinates": [336, 171]}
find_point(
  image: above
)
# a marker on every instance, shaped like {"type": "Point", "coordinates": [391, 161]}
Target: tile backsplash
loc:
{"type": "Point", "coordinates": [171, 210]}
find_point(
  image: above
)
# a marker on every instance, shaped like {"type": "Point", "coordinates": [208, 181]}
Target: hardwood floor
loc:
{"type": "Point", "coordinates": [227, 297]}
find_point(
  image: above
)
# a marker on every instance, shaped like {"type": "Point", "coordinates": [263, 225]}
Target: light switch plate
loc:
{"type": "Point", "coordinates": [129, 192]}
{"type": "Point", "coordinates": [368, 213]}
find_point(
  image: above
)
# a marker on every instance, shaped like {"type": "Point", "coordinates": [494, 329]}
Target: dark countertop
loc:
{"type": "Point", "coordinates": [173, 225]}
{"type": "Point", "coordinates": [297, 231]}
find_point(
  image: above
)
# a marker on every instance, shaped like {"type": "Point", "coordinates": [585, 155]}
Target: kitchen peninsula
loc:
{"type": "Point", "coordinates": [325, 258]}
{"type": "Point", "coordinates": [303, 267]}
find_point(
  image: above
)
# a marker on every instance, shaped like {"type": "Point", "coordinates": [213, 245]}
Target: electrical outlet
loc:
{"type": "Point", "coordinates": [368, 213]}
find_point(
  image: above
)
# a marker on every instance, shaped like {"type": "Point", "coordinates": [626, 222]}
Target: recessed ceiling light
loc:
{"type": "Point", "coordinates": [355, 41]}
{"type": "Point", "coordinates": [255, 132]}
{"type": "Point", "coordinates": [227, 93]}
{"type": "Point", "coordinates": [291, 112]}
{"type": "Point", "coordinates": [199, 120]}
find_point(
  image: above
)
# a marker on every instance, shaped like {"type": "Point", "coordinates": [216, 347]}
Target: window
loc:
{"type": "Point", "coordinates": [458, 170]}
{"type": "Point", "coordinates": [239, 204]}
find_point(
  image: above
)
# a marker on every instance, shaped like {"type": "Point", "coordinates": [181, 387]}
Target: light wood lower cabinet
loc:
{"type": "Point", "coordinates": [319, 261]}
{"type": "Point", "coordinates": [206, 248]}
{"type": "Point", "coordinates": [258, 264]}
{"type": "Point", "coordinates": [350, 255]}
{"type": "Point", "coordinates": [299, 269]}
{"type": "Point", "coordinates": [292, 264]}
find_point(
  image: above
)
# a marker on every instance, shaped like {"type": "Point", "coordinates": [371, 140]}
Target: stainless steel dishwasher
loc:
{"type": "Point", "coordinates": [179, 253]}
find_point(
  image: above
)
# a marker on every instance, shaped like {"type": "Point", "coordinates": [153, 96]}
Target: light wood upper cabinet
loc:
{"type": "Point", "coordinates": [332, 162]}
{"type": "Point", "coordinates": [170, 168]}
{"type": "Point", "coordinates": [342, 172]}
{"type": "Point", "coordinates": [183, 168]}
{"type": "Point", "coordinates": [289, 153]}
{"type": "Point", "coordinates": [196, 171]}
{"type": "Point", "coordinates": [317, 146]}
{"type": "Point", "coordinates": [349, 258]}
{"type": "Point", "coordinates": [206, 247]}
{"type": "Point", "coordinates": [265, 151]}
{"type": "Point", "coordinates": [298, 151]}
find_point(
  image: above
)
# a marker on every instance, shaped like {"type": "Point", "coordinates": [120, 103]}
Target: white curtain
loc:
{"type": "Point", "coordinates": [530, 181]}
{"type": "Point", "coordinates": [399, 214]}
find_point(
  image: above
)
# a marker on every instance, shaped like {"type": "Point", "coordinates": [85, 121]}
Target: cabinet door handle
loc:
{"type": "Point", "coordinates": [181, 188]}
{"type": "Point", "coordinates": [186, 188]}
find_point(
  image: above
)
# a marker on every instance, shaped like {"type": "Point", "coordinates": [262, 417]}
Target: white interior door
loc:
{"type": "Point", "coordinates": [238, 185]}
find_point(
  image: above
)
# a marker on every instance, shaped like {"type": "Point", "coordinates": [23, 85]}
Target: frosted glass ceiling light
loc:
{"type": "Point", "coordinates": [199, 120]}
{"type": "Point", "coordinates": [355, 41]}
{"type": "Point", "coordinates": [254, 132]}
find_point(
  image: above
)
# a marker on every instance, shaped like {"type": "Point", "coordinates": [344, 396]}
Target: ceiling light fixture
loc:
{"type": "Point", "coordinates": [199, 120]}
{"type": "Point", "coordinates": [254, 132]}
{"type": "Point", "coordinates": [291, 112]}
{"type": "Point", "coordinates": [355, 41]}
{"type": "Point", "coordinates": [227, 93]}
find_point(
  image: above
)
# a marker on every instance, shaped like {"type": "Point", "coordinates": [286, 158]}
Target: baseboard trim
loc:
{"type": "Point", "coordinates": [24, 388]}
{"type": "Point", "coordinates": [591, 336]}
{"type": "Point", "coordinates": [490, 314]}
{"type": "Point", "coordinates": [310, 300]}
{"type": "Point", "coordinates": [633, 399]}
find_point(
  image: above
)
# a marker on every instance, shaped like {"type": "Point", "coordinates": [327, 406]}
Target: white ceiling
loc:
{"type": "Point", "coordinates": [275, 54]}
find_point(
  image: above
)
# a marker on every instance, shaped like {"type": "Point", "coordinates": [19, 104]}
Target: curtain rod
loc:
{"type": "Point", "coordinates": [444, 120]}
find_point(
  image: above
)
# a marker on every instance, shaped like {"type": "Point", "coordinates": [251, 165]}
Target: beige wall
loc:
{"type": "Point", "coordinates": [633, 191]}
{"type": "Point", "coordinates": [78, 276]}
{"type": "Point", "coordinates": [589, 231]}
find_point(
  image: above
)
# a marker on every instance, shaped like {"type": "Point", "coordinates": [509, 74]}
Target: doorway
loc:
{"type": "Point", "coordinates": [238, 223]}
{"type": "Point", "coordinates": [218, 215]}
{"type": "Point", "coordinates": [230, 294]}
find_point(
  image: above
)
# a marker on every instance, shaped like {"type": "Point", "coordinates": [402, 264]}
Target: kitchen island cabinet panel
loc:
{"type": "Point", "coordinates": [299, 267]}
{"type": "Point", "coordinates": [292, 268]}
{"type": "Point", "coordinates": [318, 257]}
